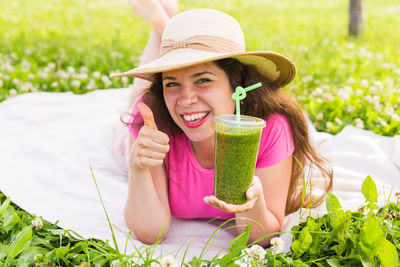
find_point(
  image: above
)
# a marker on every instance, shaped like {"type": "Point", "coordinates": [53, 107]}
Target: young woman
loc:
{"type": "Point", "coordinates": [201, 60]}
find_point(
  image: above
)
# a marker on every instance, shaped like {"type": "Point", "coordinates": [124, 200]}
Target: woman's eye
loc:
{"type": "Point", "coordinates": [204, 80]}
{"type": "Point", "coordinates": [171, 84]}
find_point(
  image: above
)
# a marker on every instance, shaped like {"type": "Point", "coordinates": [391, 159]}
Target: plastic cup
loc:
{"type": "Point", "coordinates": [236, 149]}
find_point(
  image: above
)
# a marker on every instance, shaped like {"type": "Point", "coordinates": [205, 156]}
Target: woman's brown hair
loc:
{"type": "Point", "coordinates": [262, 103]}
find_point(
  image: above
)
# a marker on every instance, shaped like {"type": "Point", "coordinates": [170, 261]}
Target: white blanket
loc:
{"type": "Point", "coordinates": [48, 140]}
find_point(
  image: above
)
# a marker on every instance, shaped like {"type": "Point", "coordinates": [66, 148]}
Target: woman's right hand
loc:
{"type": "Point", "coordinates": [151, 145]}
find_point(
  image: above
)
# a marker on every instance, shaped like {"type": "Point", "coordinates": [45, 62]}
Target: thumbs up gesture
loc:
{"type": "Point", "coordinates": [151, 145]}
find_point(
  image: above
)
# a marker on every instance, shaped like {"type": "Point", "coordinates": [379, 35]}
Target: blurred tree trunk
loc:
{"type": "Point", "coordinates": [356, 17]}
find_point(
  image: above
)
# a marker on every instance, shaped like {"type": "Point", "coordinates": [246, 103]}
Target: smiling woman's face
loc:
{"type": "Point", "coordinates": [194, 95]}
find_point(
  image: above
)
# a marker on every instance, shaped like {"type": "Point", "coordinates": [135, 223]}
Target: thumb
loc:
{"type": "Point", "coordinates": [147, 115]}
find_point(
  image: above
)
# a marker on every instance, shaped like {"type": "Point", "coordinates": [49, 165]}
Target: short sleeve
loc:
{"type": "Point", "coordinates": [135, 120]}
{"type": "Point", "coordinates": [276, 141]}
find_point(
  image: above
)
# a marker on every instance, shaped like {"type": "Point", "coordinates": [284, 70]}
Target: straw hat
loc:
{"type": "Point", "coordinates": [203, 35]}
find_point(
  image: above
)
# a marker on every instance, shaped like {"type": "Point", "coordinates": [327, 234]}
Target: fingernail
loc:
{"type": "Point", "coordinates": [251, 194]}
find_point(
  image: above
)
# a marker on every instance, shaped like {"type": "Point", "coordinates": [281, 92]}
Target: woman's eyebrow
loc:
{"type": "Point", "coordinates": [201, 73]}
{"type": "Point", "coordinates": [169, 78]}
{"type": "Point", "coordinates": [193, 76]}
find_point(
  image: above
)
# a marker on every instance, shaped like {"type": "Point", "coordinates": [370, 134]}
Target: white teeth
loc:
{"type": "Point", "coordinates": [194, 117]}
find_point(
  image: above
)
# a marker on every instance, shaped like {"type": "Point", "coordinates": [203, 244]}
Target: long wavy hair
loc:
{"type": "Point", "coordinates": [262, 103]}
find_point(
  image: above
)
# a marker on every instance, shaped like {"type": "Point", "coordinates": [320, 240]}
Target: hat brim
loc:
{"type": "Point", "coordinates": [274, 66]}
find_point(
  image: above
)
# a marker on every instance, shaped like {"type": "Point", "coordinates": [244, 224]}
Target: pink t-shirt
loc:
{"type": "Point", "coordinates": [189, 182]}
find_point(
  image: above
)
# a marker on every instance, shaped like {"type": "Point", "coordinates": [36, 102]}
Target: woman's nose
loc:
{"type": "Point", "coordinates": [188, 96]}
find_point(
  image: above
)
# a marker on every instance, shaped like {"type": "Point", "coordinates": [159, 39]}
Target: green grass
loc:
{"type": "Point", "coordinates": [73, 45]}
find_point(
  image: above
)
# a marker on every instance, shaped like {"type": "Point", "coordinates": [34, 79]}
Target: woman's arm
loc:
{"type": "Point", "coordinates": [266, 201]}
{"type": "Point", "coordinates": [269, 208]}
{"type": "Point", "coordinates": [147, 211]}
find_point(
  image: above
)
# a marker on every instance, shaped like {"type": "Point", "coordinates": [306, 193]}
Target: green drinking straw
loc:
{"type": "Point", "coordinates": [240, 94]}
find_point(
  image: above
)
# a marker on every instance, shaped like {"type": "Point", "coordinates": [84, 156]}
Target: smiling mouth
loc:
{"type": "Point", "coordinates": [194, 118]}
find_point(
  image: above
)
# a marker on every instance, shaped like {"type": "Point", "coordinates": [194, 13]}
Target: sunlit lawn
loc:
{"type": "Point", "coordinates": [73, 45]}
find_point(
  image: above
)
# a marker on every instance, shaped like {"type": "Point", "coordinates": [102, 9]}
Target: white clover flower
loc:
{"type": "Point", "coordinates": [1, 83]}
{"type": "Point", "coordinates": [91, 85]}
{"type": "Point", "coordinates": [328, 97]}
{"type": "Point", "coordinates": [325, 87]}
{"type": "Point", "coordinates": [84, 70]}
{"type": "Point", "coordinates": [307, 78]}
{"type": "Point", "coordinates": [320, 116]}
{"type": "Point", "coordinates": [277, 244]}
{"type": "Point", "coordinates": [62, 74]}
{"type": "Point", "coordinates": [43, 74]}
{"type": "Point", "coordinates": [106, 81]}
{"type": "Point", "coordinates": [389, 82]}
{"type": "Point", "coordinates": [388, 65]}
{"type": "Point", "coordinates": [351, 80]}
{"type": "Point", "coordinates": [13, 92]}
{"type": "Point", "coordinates": [338, 121]}
{"type": "Point", "coordinates": [329, 125]}
{"type": "Point", "coordinates": [359, 123]}
{"type": "Point", "coordinates": [257, 252]}
{"type": "Point", "coordinates": [15, 81]}
{"type": "Point", "coordinates": [51, 65]}
{"type": "Point", "coordinates": [345, 96]}
{"type": "Point", "coordinates": [359, 92]}
{"type": "Point", "coordinates": [382, 122]}
{"type": "Point", "coordinates": [26, 65]}
{"type": "Point", "coordinates": [96, 75]}
{"type": "Point", "coordinates": [124, 80]}
{"type": "Point", "coordinates": [351, 109]}
{"type": "Point", "coordinates": [37, 224]}
{"type": "Point", "coordinates": [389, 111]}
{"type": "Point", "coordinates": [82, 76]}
{"type": "Point", "coordinates": [31, 76]}
{"type": "Point", "coordinates": [28, 51]}
{"type": "Point", "coordinates": [395, 117]}
{"type": "Point", "coordinates": [116, 54]}
{"type": "Point", "coordinates": [368, 98]}
{"type": "Point", "coordinates": [350, 45]}
{"type": "Point", "coordinates": [54, 84]}
{"type": "Point", "coordinates": [71, 70]}
{"type": "Point", "coordinates": [364, 83]}
{"type": "Point", "coordinates": [373, 89]}
{"type": "Point", "coordinates": [317, 91]}
{"type": "Point", "coordinates": [168, 261]}
{"type": "Point", "coordinates": [115, 263]}
{"type": "Point", "coordinates": [75, 83]}
{"type": "Point", "coordinates": [7, 67]}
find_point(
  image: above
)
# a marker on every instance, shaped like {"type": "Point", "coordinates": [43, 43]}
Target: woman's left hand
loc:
{"type": "Point", "coordinates": [253, 193]}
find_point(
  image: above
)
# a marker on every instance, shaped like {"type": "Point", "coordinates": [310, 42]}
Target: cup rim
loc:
{"type": "Point", "coordinates": [245, 121]}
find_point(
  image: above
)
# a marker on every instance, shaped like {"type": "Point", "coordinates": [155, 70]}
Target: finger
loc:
{"type": "Point", "coordinates": [149, 162]}
{"type": "Point", "coordinates": [154, 134]}
{"type": "Point", "coordinates": [149, 153]}
{"type": "Point", "coordinates": [213, 201]}
{"type": "Point", "coordinates": [147, 115]}
{"type": "Point", "coordinates": [231, 208]}
{"type": "Point", "coordinates": [149, 142]}
{"type": "Point", "coordinates": [252, 193]}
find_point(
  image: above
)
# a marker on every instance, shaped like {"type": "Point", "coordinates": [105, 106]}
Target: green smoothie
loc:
{"type": "Point", "coordinates": [236, 151]}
